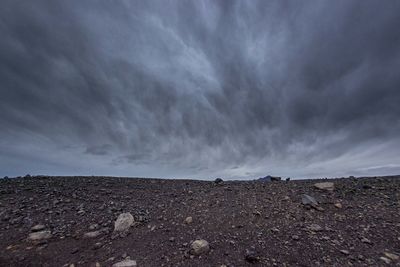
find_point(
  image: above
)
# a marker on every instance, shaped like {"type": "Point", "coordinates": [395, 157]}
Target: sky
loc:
{"type": "Point", "coordinates": [200, 89]}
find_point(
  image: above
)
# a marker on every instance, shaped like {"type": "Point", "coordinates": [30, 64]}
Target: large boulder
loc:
{"type": "Point", "coordinates": [123, 222]}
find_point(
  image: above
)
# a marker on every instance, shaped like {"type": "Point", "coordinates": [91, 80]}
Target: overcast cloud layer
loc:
{"type": "Point", "coordinates": [200, 89]}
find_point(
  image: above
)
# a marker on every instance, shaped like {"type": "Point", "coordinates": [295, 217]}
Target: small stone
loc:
{"type": "Point", "coordinates": [199, 247]}
{"type": "Point", "coordinates": [315, 227]}
{"type": "Point", "coordinates": [391, 256]}
{"type": "Point", "coordinates": [74, 250]}
{"type": "Point", "coordinates": [92, 234]}
{"type": "Point", "coordinates": [125, 263]}
{"type": "Point", "coordinates": [97, 264]}
{"type": "Point", "coordinates": [345, 252]}
{"type": "Point", "coordinates": [38, 227]}
{"type": "Point", "coordinates": [328, 186]}
{"type": "Point", "coordinates": [366, 240]}
{"type": "Point", "coordinates": [188, 220]}
{"type": "Point", "coordinates": [36, 236]}
{"type": "Point", "coordinates": [93, 226]}
{"type": "Point", "coordinates": [338, 205]}
{"type": "Point", "coordinates": [257, 213]}
{"type": "Point", "coordinates": [295, 237]}
{"type": "Point", "coordinates": [123, 222]}
{"type": "Point", "coordinates": [386, 260]}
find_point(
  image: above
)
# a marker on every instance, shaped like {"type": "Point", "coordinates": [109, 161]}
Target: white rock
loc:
{"type": "Point", "coordinates": [199, 247]}
{"type": "Point", "coordinates": [125, 263]}
{"type": "Point", "coordinates": [39, 235]}
{"type": "Point", "coordinates": [329, 186]}
{"type": "Point", "coordinates": [123, 222]}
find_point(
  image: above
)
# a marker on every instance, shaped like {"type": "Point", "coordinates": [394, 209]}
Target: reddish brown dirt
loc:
{"type": "Point", "coordinates": [266, 218]}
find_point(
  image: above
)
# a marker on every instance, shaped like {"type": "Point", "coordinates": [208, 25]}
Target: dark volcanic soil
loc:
{"type": "Point", "coordinates": [267, 219]}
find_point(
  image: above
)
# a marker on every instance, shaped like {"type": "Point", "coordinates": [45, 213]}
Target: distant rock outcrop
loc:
{"type": "Point", "coordinates": [270, 178]}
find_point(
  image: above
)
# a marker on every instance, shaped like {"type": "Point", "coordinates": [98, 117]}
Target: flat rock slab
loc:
{"type": "Point", "coordinates": [328, 186]}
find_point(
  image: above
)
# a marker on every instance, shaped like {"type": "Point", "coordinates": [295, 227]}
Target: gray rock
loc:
{"type": "Point", "coordinates": [188, 220]}
{"type": "Point", "coordinates": [315, 228]}
{"type": "Point", "coordinates": [199, 247]}
{"type": "Point", "coordinates": [38, 227]}
{"type": "Point", "coordinates": [345, 252]}
{"type": "Point", "coordinates": [92, 234]}
{"type": "Point", "coordinates": [308, 200]}
{"type": "Point", "coordinates": [36, 236]}
{"type": "Point", "coordinates": [327, 186]}
{"type": "Point", "coordinates": [123, 222]}
{"type": "Point", "coordinates": [125, 263]}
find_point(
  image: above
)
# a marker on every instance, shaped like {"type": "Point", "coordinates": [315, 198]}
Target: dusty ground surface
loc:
{"type": "Point", "coordinates": [245, 223]}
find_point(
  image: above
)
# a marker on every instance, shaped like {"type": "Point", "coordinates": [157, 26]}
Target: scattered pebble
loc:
{"type": "Point", "coordinates": [315, 227]}
{"type": "Point", "coordinates": [366, 240]}
{"type": "Point", "coordinates": [345, 252]}
{"type": "Point", "coordinates": [338, 205]}
{"type": "Point", "coordinates": [188, 220]}
{"type": "Point", "coordinates": [92, 234]}
{"type": "Point", "coordinates": [38, 227]}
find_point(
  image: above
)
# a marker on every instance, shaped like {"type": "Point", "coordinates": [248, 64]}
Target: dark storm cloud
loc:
{"type": "Point", "coordinates": [199, 88]}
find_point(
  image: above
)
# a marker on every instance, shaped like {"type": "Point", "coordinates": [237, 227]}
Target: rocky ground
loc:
{"type": "Point", "coordinates": [100, 221]}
